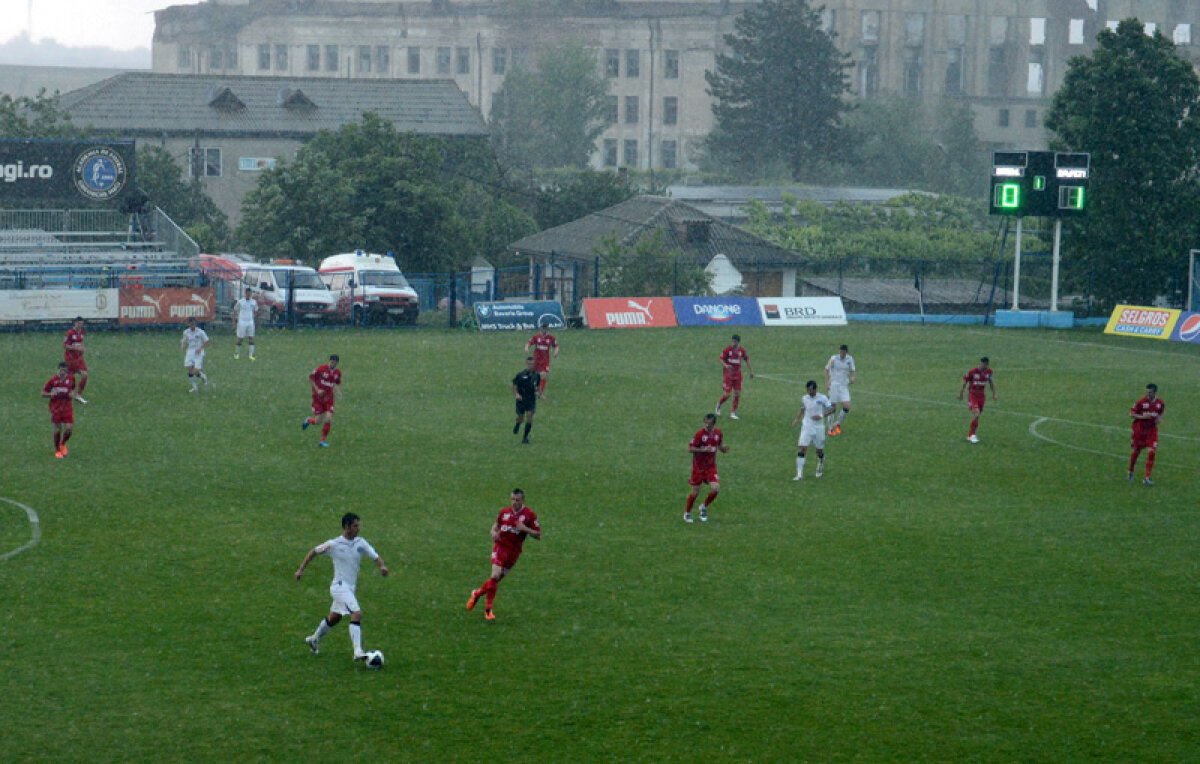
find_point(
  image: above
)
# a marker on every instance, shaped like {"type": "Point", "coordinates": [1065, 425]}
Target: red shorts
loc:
{"type": "Point", "coordinates": [1147, 439]}
{"type": "Point", "coordinates": [321, 405]}
{"type": "Point", "coordinates": [704, 475]}
{"type": "Point", "coordinates": [732, 381]}
{"type": "Point", "coordinates": [975, 402]}
{"type": "Point", "coordinates": [75, 365]}
{"type": "Point", "coordinates": [62, 412]}
{"type": "Point", "coordinates": [504, 556]}
{"type": "Point", "coordinates": [541, 366]}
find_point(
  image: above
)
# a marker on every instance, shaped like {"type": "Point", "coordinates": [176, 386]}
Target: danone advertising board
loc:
{"type": "Point", "coordinates": [66, 171]}
{"type": "Point", "coordinates": [526, 316]}
{"type": "Point", "coordinates": [802, 311]}
{"type": "Point", "coordinates": [717, 311]}
{"type": "Point", "coordinates": [1137, 321]}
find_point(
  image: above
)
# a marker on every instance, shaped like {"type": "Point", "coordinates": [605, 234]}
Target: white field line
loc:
{"type": "Point", "coordinates": [1100, 345]}
{"type": "Point", "coordinates": [35, 530]}
{"type": "Point", "coordinates": [1123, 457]}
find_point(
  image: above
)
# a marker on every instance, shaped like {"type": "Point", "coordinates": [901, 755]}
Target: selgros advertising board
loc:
{"type": "Point", "coordinates": [498, 316]}
{"type": "Point", "coordinates": [66, 171]}
{"type": "Point", "coordinates": [717, 311]}
{"type": "Point", "coordinates": [628, 312]}
{"type": "Point", "coordinates": [1137, 321]}
{"type": "Point", "coordinates": [802, 311]}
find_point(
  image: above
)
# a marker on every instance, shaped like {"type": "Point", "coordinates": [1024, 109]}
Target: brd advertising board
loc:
{"type": "Point", "coordinates": [66, 171]}
{"type": "Point", "coordinates": [802, 311]}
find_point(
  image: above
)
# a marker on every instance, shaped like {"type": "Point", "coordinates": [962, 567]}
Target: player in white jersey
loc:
{"type": "Point", "coordinates": [194, 341]}
{"type": "Point", "coordinates": [815, 409]}
{"type": "Point", "coordinates": [839, 375]}
{"type": "Point", "coordinates": [244, 310]}
{"type": "Point", "coordinates": [346, 551]}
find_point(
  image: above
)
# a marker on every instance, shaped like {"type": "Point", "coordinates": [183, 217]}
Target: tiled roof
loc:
{"type": "Point", "coordinates": [683, 228]}
{"type": "Point", "coordinates": [147, 103]}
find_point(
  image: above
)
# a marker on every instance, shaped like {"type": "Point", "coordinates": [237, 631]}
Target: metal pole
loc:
{"type": "Point", "coordinates": [1016, 300]}
{"type": "Point", "coordinates": [1054, 265]}
{"type": "Point", "coordinates": [1191, 296]}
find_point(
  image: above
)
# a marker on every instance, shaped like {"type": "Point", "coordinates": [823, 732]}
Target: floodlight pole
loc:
{"type": "Point", "coordinates": [1016, 297]}
{"type": "Point", "coordinates": [1054, 264]}
{"type": "Point", "coordinates": [1192, 280]}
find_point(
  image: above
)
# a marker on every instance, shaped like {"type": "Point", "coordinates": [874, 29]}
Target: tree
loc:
{"type": "Point", "coordinates": [159, 177]}
{"type": "Point", "coordinates": [779, 93]}
{"type": "Point", "coordinates": [568, 198]}
{"type": "Point", "coordinates": [552, 115]}
{"type": "Point", "coordinates": [648, 270]}
{"type": "Point", "coordinates": [1134, 104]}
{"type": "Point", "coordinates": [37, 117]}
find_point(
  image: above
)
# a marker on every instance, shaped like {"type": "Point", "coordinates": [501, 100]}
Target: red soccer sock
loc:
{"type": "Point", "coordinates": [489, 589]}
{"type": "Point", "coordinates": [57, 440]}
{"type": "Point", "coordinates": [66, 436]}
{"type": "Point", "coordinates": [711, 498]}
{"type": "Point", "coordinates": [325, 431]}
{"type": "Point", "coordinates": [691, 500]}
{"type": "Point", "coordinates": [1149, 463]}
{"type": "Point", "coordinates": [311, 420]}
{"type": "Point", "coordinates": [723, 399]}
{"type": "Point", "coordinates": [974, 426]}
{"type": "Point", "coordinates": [82, 384]}
{"type": "Point", "coordinates": [1133, 458]}
{"type": "Point", "coordinates": [542, 385]}
{"type": "Point", "coordinates": [736, 401]}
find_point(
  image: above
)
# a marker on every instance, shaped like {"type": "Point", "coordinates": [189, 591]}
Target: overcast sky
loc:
{"type": "Point", "coordinates": [120, 24]}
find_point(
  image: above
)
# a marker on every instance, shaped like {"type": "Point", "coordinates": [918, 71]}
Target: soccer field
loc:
{"type": "Point", "coordinates": [926, 599]}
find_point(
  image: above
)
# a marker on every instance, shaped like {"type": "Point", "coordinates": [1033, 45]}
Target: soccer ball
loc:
{"type": "Point", "coordinates": [374, 659]}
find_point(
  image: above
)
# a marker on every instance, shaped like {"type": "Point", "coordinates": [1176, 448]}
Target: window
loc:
{"type": "Point", "coordinates": [633, 63]}
{"type": "Point", "coordinates": [868, 71]}
{"type": "Point", "coordinates": [216, 57]}
{"type": "Point", "coordinates": [364, 59]}
{"type": "Point", "coordinates": [610, 152]}
{"type": "Point", "coordinates": [612, 62]}
{"type": "Point", "coordinates": [331, 58]}
{"type": "Point", "coordinates": [1150, 27]}
{"type": "Point", "coordinates": [631, 158]}
{"type": "Point", "coordinates": [1036, 80]}
{"type": "Point", "coordinates": [499, 60]}
{"type": "Point", "coordinates": [184, 59]}
{"type": "Point", "coordinates": [671, 64]}
{"type": "Point", "coordinates": [669, 152]}
{"type": "Point", "coordinates": [1002, 118]}
{"type": "Point", "coordinates": [443, 60]}
{"type": "Point", "coordinates": [206, 162]}
{"type": "Point", "coordinates": [870, 26]}
{"type": "Point", "coordinates": [264, 57]}
{"type": "Point", "coordinates": [997, 72]}
{"type": "Point", "coordinates": [954, 71]}
{"type": "Point", "coordinates": [631, 110]}
{"type": "Point", "coordinates": [314, 58]}
{"type": "Point", "coordinates": [1031, 118]}
{"type": "Point", "coordinates": [1037, 31]}
{"type": "Point", "coordinates": [383, 59]}
{"type": "Point", "coordinates": [610, 109]}
{"type": "Point", "coordinates": [670, 110]}
{"type": "Point", "coordinates": [912, 71]}
{"type": "Point", "coordinates": [828, 20]}
{"type": "Point", "coordinates": [520, 56]}
{"type": "Point", "coordinates": [281, 58]}
{"type": "Point", "coordinates": [1182, 34]}
{"type": "Point", "coordinates": [997, 30]}
{"type": "Point", "coordinates": [1075, 32]}
{"type": "Point", "coordinates": [414, 60]}
{"type": "Point", "coordinates": [914, 29]}
{"type": "Point", "coordinates": [956, 29]}
{"type": "Point", "coordinates": [1112, 24]}
{"type": "Point", "coordinates": [231, 57]}
{"type": "Point", "coordinates": [464, 60]}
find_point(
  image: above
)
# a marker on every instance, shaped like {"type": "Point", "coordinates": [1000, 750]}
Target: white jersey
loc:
{"type": "Point", "coordinates": [194, 339]}
{"type": "Point", "coordinates": [839, 369]}
{"type": "Point", "coordinates": [346, 555]}
{"type": "Point", "coordinates": [246, 308]}
{"type": "Point", "coordinates": [815, 406]}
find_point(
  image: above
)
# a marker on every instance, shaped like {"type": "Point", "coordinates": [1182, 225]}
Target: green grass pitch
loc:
{"type": "Point", "coordinates": [926, 599]}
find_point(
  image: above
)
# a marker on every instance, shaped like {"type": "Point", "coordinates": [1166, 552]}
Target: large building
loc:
{"type": "Point", "coordinates": [1004, 57]}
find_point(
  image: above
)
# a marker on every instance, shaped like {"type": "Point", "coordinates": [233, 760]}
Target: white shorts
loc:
{"type": "Point", "coordinates": [195, 358]}
{"type": "Point", "coordinates": [813, 435]}
{"type": "Point", "coordinates": [245, 329]}
{"type": "Point", "coordinates": [344, 601]}
{"type": "Point", "coordinates": [839, 393]}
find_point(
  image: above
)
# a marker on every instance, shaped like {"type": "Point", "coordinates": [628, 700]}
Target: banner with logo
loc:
{"type": "Point", "coordinates": [172, 305]}
{"type": "Point", "coordinates": [527, 316]}
{"type": "Point", "coordinates": [66, 171]}
{"type": "Point", "coordinates": [628, 312]}
{"type": "Point", "coordinates": [1187, 329]}
{"type": "Point", "coordinates": [802, 311]}
{"type": "Point", "coordinates": [717, 311]}
{"type": "Point", "coordinates": [1133, 320]}
{"type": "Point", "coordinates": [57, 304]}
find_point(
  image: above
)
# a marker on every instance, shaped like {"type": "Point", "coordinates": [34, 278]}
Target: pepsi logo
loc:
{"type": "Point", "coordinates": [1189, 329]}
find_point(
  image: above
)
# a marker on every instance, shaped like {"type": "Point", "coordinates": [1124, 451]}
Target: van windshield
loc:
{"type": "Point", "coordinates": [306, 280]}
{"type": "Point", "coordinates": [383, 279]}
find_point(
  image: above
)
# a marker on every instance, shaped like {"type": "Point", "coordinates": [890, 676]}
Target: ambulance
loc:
{"type": "Point", "coordinates": [370, 289]}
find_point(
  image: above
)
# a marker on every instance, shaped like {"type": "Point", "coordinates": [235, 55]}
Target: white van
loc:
{"type": "Point", "coordinates": [370, 288]}
{"type": "Point", "coordinates": [270, 282]}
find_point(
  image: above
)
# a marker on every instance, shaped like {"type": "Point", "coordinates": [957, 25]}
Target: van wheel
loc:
{"type": "Point", "coordinates": [357, 315]}
{"type": "Point", "coordinates": [276, 316]}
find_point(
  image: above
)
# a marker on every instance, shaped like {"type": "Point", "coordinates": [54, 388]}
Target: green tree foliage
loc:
{"type": "Point", "coordinates": [1134, 104]}
{"type": "Point", "coordinates": [37, 117]}
{"type": "Point", "coordinates": [159, 177]}
{"type": "Point", "coordinates": [550, 116]}
{"type": "Point", "coordinates": [914, 226]}
{"type": "Point", "coordinates": [570, 196]}
{"type": "Point", "coordinates": [779, 93]}
{"type": "Point", "coordinates": [367, 186]}
{"type": "Point", "coordinates": [649, 270]}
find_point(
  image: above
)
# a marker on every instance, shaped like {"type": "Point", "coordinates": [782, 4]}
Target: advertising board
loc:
{"type": "Point", "coordinates": [628, 312]}
{"type": "Point", "coordinates": [1187, 329]}
{"type": "Point", "coordinates": [1137, 321]}
{"type": "Point", "coordinates": [65, 170]}
{"type": "Point", "coordinates": [717, 311]}
{"type": "Point", "coordinates": [57, 304]}
{"type": "Point", "coordinates": [802, 311]}
{"type": "Point", "coordinates": [172, 305]}
{"type": "Point", "coordinates": [525, 316]}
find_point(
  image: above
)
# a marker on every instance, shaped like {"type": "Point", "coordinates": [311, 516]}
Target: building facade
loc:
{"type": "Point", "coordinates": [1004, 57]}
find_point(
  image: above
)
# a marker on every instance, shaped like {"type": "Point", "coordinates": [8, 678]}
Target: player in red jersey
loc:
{"type": "Point", "coordinates": [542, 343]}
{"type": "Point", "coordinates": [326, 382]}
{"type": "Point", "coordinates": [73, 355]}
{"type": "Point", "coordinates": [704, 446]}
{"type": "Point", "coordinates": [513, 524]}
{"type": "Point", "coordinates": [60, 389]}
{"type": "Point", "coordinates": [1146, 415]}
{"type": "Point", "coordinates": [978, 378]}
{"type": "Point", "coordinates": [733, 358]}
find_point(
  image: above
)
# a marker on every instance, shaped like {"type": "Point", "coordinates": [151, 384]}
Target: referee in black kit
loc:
{"type": "Point", "coordinates": [525, 387]}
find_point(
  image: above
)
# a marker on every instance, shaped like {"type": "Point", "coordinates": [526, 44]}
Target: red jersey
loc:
{"type": "Point", "coordinates": [326, 379]}
{"type": "Point", "coordinates": [542, 344]}
{"type": "Point", "coordinates": [511, 539]}
{"type": "Point", "coordinates": [1147, 406]}
{"type": "Point", "coordinates": [977, 380]}
{"type": "Point", "coordinates": [60, 388]}
{"type": "Point", "coordinates": [74, 337]}
{"type": "Point", "coordinates": [703, 438]}
{"type": "Point", "coordinates": [732, 359]}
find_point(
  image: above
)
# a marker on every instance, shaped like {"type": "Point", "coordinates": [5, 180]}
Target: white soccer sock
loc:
{"type": "Point", "coordinates": [251, 348]}
{"type": "Point", "coordinates": [192, 379]}
{"type": "Point", "coordinates": [356, 636]}
{"type": "Point", "coordinates": [204, 377]}
{"type": "Point", "coordinates": [322, 629]}
{"type": "Point", "coordinates": [799, 465]}
{"type": "Point", "coordinates": [841, 415]}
